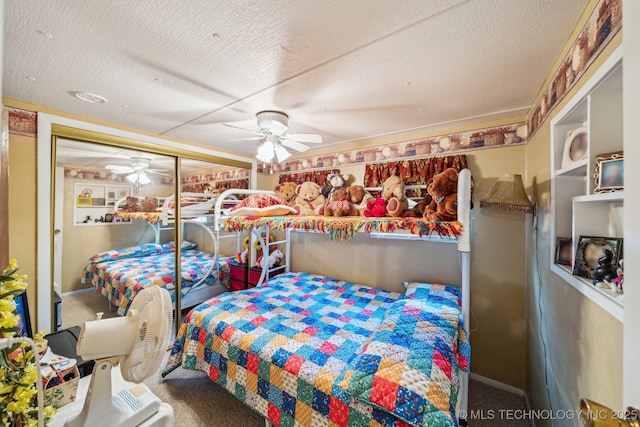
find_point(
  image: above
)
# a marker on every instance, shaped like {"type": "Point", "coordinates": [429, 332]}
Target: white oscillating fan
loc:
{"type": "Point", "coordinates": [138, 342]}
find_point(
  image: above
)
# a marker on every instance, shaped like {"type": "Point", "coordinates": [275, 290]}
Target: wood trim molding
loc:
{"type": "Point", "coordinates": [4, 189]}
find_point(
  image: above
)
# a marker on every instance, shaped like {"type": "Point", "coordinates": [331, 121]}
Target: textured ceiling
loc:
{"type": "Point", "coordinates": [349, 70]}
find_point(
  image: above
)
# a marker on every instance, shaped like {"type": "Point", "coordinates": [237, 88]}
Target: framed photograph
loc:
{"type": "Point", "coordinates": [590, 250]}
{"type": "Point", "coordinates": [609, 172]}
{"type": "Point", "coordinates": [111, 195]}
{"type": "Point", "coordinates": [108, 217]}
{"type": "Point", "coordinates": [22, 311]}
{"type": "Point", "coordinates": [564, 248]}
{"type": "Point", "coordinates": [576, 146]}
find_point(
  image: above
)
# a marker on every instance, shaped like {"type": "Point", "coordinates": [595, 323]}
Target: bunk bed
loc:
{"type": "Point", "coordinates": [308, 349]}
{"type": "Point", "coordinates": [120, 274]}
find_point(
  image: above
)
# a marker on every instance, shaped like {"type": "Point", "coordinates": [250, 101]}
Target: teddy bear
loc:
{"type": "Point", "coordinates": [131, 204]}
{"type": "Point", "coordinates": [444, 191]}
{"type": "Point", "coordinates": [375, 209]}
{"type": "Point", "coordinates": [338, 204]}
{"type": "Point", "coordinates": [149, 204]}
{"type": "Point", "coordinates": [420, 208]}
{"type": "Point", "coordinates": [359, 197]}
{"type": "Point", "coordinates": [336, 180]}
{"type": "Point", "coordinates": [393, 193]}
{"type": "Point", "coordinates": [308, 199]}
{"type": "Point", "coordinates": [286, 191]}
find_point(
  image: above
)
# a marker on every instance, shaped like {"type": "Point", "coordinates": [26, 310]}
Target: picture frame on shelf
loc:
{"type": "Point", "coordinates": [590, 249]}
{"type": "Point", "coordinates": [609, 175]}
{"type": "Point", "coordinates": [111, 194]}
{"type": "Point", "coordinates": [576, 146]}
{"type": "Point", "coordinates": [564, 247]}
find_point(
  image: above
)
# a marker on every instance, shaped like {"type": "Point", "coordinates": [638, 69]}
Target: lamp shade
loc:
{"type": "Point", "coordinates": [508, 194]}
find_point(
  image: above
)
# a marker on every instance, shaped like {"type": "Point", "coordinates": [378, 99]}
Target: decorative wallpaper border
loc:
{"type": "Point", "coordinates": [225, 175]}
{"type": "Point", "coordinates": [23, 122]}
{"type": "Point", "coordinates": [605, 21]}
{"type": "Point", "coordinates": [71, 172]}
{"type": "Point", "coordinates": [492, 137]}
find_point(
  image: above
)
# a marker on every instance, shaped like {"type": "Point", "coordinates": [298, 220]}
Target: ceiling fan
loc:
{"type": "Point", "coordinates": [137, 171]}
{"type": "Point", "coordinates": [274, 126]}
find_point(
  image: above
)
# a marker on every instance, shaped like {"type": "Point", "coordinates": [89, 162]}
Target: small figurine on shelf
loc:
{"type": "Point", "coordinates": [606, 272]}
{"type": "Point", "coordinates": [616, 283]}
{"type": "Point", "coordinates": [87, 219]}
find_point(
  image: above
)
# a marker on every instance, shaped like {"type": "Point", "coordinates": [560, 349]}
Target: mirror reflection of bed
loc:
{"type": "Point", "coordinates": [101, 176]}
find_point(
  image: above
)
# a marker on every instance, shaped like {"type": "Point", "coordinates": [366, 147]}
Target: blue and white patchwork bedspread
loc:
{"type": "Point", "coordinates": [308, 350]}
{"type": "Point", "coordinates": [122, 278]}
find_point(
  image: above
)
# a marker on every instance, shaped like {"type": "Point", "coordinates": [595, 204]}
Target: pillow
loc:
{"type": "Point", "coordinates": [262, 205]}
{"type": "Point", "coordinates": [434, 293]}
{"type": "Point", "coordinates": [130, 252]}
{"type": "Point", "coordinates": [171, 246]}
{"type": "Point", "coordinates": [409, 365]}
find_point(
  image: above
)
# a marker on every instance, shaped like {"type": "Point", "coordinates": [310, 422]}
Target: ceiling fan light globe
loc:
{"type": "Point", "coordinates": [143, 178]}
{"type": "Point", "coordinates": [281, 153]}
{"type": "Point", "coordinates": [132, 178]}
{"type": "Point", "coordinates": [265, 152]}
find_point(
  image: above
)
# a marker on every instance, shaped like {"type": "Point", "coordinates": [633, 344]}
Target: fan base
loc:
{"type": "Point", "coordinates": [130, 406]}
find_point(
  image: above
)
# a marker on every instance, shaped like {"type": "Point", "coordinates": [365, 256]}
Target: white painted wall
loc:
{"type": "Point", "coordinates": [631, 106]}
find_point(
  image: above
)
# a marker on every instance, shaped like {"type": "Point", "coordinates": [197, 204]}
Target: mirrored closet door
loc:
{"type": "Point", "coordinates": [114, 204]}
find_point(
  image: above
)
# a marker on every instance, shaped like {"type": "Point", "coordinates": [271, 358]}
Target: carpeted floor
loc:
{"type": "Point", "coordinates": [198, 401]}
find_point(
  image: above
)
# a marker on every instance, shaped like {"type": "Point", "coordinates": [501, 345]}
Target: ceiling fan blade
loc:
{"type": "Point", "coordinates": [156, 172]}
{"type": "Point", "coordinates": [247, 139]}
{"type": "Point", "coordinates": [312, 138]}
{"type": "Point", "coordinates": [295, 145]}
{"type": "Point", "coordinates": [119, 170]}
{"type": "Point", "coordinates": [246, 130]}
{"type": "Point", "coordinates": [277, 128]}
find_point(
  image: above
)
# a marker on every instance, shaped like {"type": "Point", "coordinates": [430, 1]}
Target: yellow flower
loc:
{"type": "Point", "coordinates": [8, 320]}
{"type": "Point", "coordinates": [22, 398]}
{"type": "Point", "coordinates": [6, 387]}
{"type": "Point", "coordinates": [7, 305]}
{"type": "Point", "coordinates": [18, 374]}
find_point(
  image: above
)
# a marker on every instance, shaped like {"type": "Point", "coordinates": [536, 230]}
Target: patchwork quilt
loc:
{"type": "Point", "coordinates": [121, 278]}
{"type": "Point", "coordinates": [300, 351]}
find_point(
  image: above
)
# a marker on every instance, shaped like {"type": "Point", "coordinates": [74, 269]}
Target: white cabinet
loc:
{"type": "Point", "coordinates": [578, 206]}
{"type": "Point", "coordinates": [93, 204]}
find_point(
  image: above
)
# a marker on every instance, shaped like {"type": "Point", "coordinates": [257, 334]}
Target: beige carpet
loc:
{"type": "Point", "coordinates": [198, 401]}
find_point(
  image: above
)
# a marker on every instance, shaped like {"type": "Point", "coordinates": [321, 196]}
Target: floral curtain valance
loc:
{"type": "Point", "coordinates": [412, 172]}
{"type": "Point", "coordinates": [319, 177]}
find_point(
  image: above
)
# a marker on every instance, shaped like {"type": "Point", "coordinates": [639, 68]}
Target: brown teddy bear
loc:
{"type": "Point", "coordinates": [308, 200]}
{"type": "Point", "coordinates": [338, 204]}
{"type": "Point", "coordinates": [393, 193]}
{"type": "Point", "coordinates": [131, 204]}
{"type": "Point", "coordinates": [286, 191]}
{"type": "Point", "coordinates": [444, 190]}
{"type": "Point", "coordinates": [359, 197]}
{"type": "Point", "coordinates": [419, 210]}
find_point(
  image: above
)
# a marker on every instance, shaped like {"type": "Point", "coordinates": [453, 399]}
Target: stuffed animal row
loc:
{"type": "Point", "coordinates": [439, 203]}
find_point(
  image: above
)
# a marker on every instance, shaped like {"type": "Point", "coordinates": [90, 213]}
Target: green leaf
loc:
{"type": "Point", "coordinates": [15, 292]}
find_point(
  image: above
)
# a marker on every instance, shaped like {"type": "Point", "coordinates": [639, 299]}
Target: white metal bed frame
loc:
{"type": "Point", "coordinates": [463, 243]}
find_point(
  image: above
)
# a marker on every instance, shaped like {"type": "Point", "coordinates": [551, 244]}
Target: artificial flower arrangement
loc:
{"type": "Point", "coordinates": [18, 393]}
